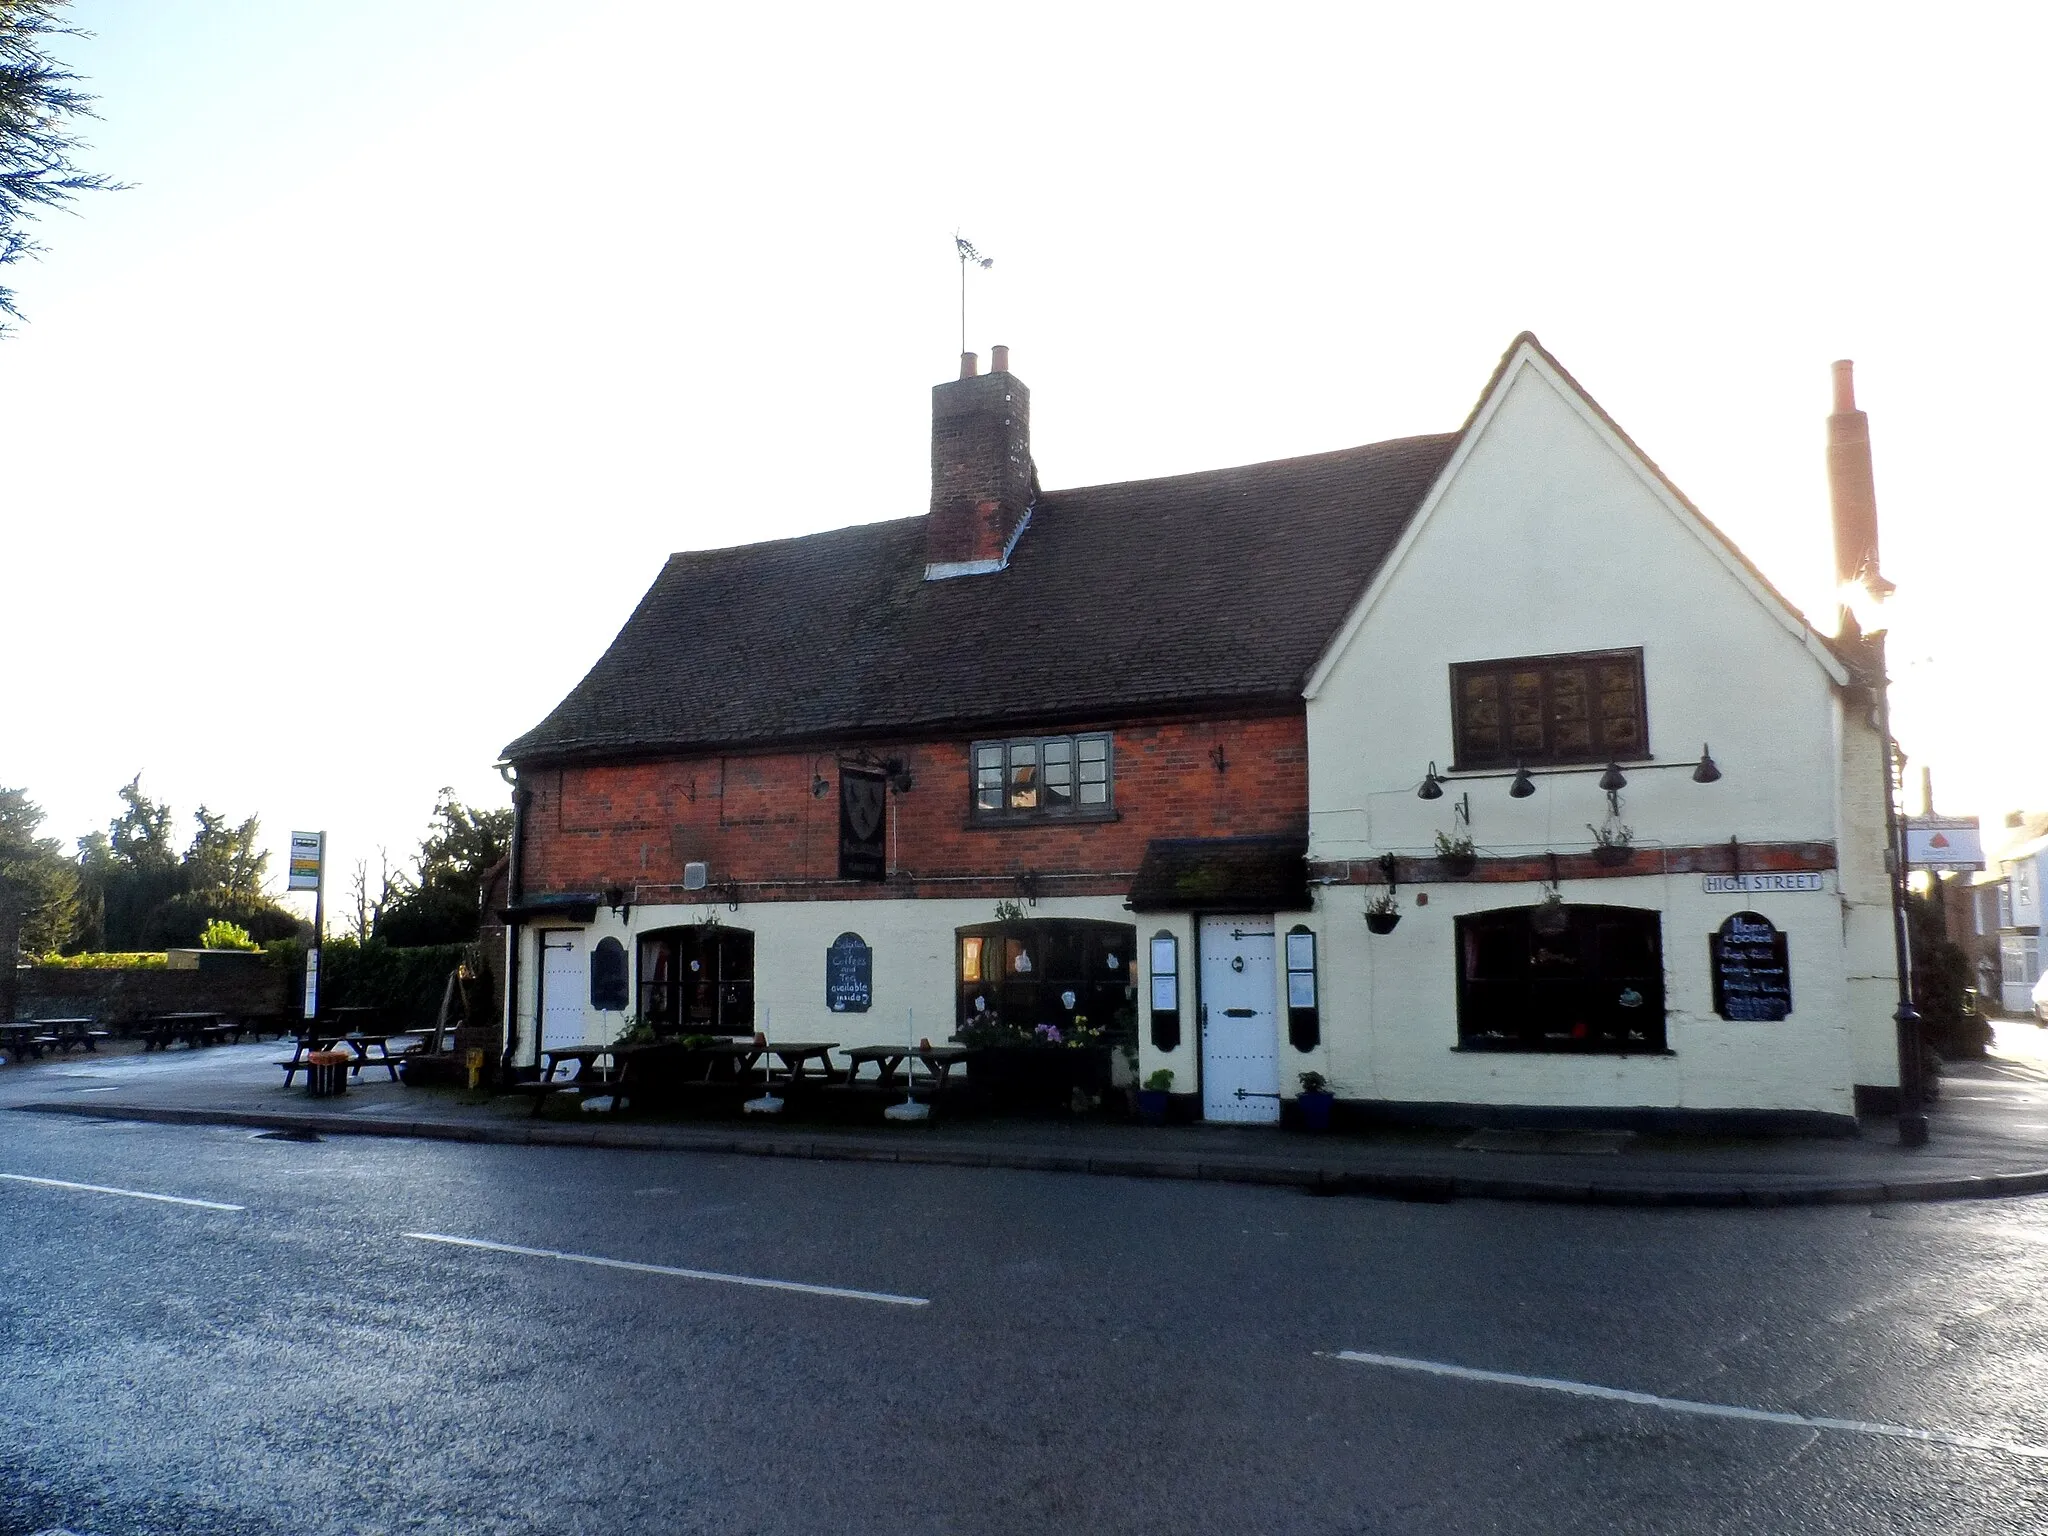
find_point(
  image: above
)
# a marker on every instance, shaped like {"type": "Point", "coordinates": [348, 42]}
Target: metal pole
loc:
{"type": "Point", "coordinates": [1912, 1062]}
{"type": "Point", "coordinates": [311, 1002]}
{"type": "Point", "coordinates": [963, 303]}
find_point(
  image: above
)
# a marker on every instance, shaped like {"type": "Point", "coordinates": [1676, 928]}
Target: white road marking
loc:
{"type": "Point", "coordinates": [666, 1269]}
{"type": "Point", "coordinates": [132, 1194]}
{"type": "Point", "coordinates": [1683, 1405]}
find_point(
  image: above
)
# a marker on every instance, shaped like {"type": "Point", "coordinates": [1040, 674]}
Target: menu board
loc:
{"type": "Point", "coordinates": [1752, 975]}
{"type": "Point", "coordinates": [849, 974]}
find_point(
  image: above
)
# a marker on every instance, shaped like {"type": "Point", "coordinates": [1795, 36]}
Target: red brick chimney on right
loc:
{"type": "Point", "coordinates": [1852, 490]}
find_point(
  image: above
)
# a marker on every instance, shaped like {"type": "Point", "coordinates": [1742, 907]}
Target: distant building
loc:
{"type": "Point", "coordinates": [1192, 728]}
{"type": "Point", "coordinates": [2008, 914]}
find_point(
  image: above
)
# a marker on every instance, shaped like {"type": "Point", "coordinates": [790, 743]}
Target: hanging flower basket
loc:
{"type": "Point", "coordinates": [1381, 922]}
{"type": "Point", "coordinates": [1612, 855]}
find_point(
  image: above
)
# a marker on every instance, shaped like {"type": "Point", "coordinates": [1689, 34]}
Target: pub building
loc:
{"type": "Point", "coordinates": [1477, 772]}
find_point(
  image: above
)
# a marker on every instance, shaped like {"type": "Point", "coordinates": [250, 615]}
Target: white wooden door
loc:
{"type": "Point", "coordinates": [1240, 1020]}
{"type": "Point", "coordinates": [564, 983]}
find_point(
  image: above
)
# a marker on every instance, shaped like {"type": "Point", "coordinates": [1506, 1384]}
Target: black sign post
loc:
{"type": "Point", "coordinates": [849, 974]}
{"type": "Point", "coordinates": [1752, 974]}
{"type": "Point", "coordinates": [863, 823]}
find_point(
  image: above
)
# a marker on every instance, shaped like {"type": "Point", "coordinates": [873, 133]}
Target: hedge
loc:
{"type": "Point", "coordinates": [406, 984]}
{"type": "Point", "coordinates": [110, 961]}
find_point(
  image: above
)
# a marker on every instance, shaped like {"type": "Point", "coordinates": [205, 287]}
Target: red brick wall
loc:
{"type": "Point", "coordinates": [754, 820]}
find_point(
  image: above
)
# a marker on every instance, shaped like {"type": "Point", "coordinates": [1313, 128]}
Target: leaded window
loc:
{"type": "Point", "coordinates": [1028, 777]}
{"type": "Point", "coordinates": [1585, 708]}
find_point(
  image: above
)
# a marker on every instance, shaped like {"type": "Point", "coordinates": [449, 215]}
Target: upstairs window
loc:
{"type": "Point", "coordinates": [1033, 777]}
{"type": "Point", "coordinates": [1586, 708]}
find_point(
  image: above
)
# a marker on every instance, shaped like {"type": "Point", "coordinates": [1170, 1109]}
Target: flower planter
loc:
{"type": "Point", "coordinates": [1612, 855]}
{"type": "Point", "coordinates": [1459, 864]}
{"type": "Point", "coordinates": [1152, 1105]}
{"type": "Point", "coordinates": [1315, 1110]}
{"type": "Point", "coordinates": [1381, 922]}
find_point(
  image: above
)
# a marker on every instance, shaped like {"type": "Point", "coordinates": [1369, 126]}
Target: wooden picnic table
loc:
{"type": "Point", "coordinates": [938, 1060]}
{"type": "Point", "coordinates": [797, 1057]}
{"type": "Point", "coordinates": [367, 1051]}
{"type": "Point", "coordinates": [72, 1032]}
{"type": "Point", "coordinates": [25, 1037]}
{"type": "Point", "coordinates": [196, 1029]}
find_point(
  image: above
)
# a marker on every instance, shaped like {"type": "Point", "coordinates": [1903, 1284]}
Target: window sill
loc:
{"type": "Point", "coordinates": [1039, 823]}
{"type": "Point", "coordinates": [1544, 765]}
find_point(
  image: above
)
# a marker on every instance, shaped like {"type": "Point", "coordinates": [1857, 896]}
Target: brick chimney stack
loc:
{"type": "Point", "coordinates": [983, 481]}
{"type": "Point", "coordinates": [1852, 490]}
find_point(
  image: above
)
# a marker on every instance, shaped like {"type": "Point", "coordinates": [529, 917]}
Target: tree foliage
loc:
{"type": "Point", "coordinates": [1942, 977]}
{"type": "Point", "coordinates": [38, 105]}
{"type": "Point", "coordinates": [36, 875]}
{"type": "Point", "coordinates": [139, 892]}
{"type": "Point", "coordinates": [443, 902]}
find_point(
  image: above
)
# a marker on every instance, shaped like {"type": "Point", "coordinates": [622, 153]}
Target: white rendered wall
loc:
{"type": "Point", "coordinates": [1547, 537]}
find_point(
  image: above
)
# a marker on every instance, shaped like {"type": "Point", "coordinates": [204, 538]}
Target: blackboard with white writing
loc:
{"type": "Point", "coordinates": [1752, 974]}
{"type": "Point", "coordinates": [849, 974]}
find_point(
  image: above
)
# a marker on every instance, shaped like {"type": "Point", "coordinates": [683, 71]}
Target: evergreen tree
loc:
{"type": "Point", "coordinates": [37, 876]}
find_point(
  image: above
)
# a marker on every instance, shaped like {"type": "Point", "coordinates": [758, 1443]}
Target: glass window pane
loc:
{"type": "Point", "coordinates": [970, 959]}
{"type": "Point", "coordinates": [1059, 774]}
{"type": "Point", "coordinates": [1094, 749]}
{"type": "Point", "coordinates": [1095, 794]}
{"type": "Point", "coordinates": [1023, 775]}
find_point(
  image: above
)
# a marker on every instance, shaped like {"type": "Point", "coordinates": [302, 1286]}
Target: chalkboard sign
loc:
{"type": "Point", "coordinates": [609, 990]}
{"type": "Point", "coordinates": [849, 974]}
{"type": "Point", "coordinates": [1752, 976]}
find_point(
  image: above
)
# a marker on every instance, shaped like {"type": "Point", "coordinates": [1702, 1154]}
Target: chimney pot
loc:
{"type": "Point", "coordinates": [998, 359]}
{"type": "Point", "coordinates": [1852, 489]}
{"type": "Point", "coordinates": [967, 365]}
{"type": "Point", "coordinates": [1845, 385]}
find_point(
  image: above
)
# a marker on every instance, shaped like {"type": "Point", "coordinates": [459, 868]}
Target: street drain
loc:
{"type": "Point", "coordinates": [285, 1136]}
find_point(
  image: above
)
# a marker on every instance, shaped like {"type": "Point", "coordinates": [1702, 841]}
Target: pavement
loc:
{"type": "Point", "coordinates": [1989, 1137]}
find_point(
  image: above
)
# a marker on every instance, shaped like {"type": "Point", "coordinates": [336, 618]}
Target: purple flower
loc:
{"type": "Point", "coordinates": [1050, 1033]}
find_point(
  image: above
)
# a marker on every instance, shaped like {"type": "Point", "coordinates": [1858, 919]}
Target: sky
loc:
{"type": "Point", "coordinates": [346, 438]}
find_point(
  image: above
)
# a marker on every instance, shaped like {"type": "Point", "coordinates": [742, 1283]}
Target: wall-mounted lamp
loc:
{"type": "Point", "coordinates": [1706, 771]}
{"type": "Point", "coordinates": [900, 777]}
{"type": "Point", "coordinates": [1524, 786]}
{"type": "Point", "coordinates": [818, 785]}
{"type": "Point", "coordinates": [617, 898]}
{"type": "Point", "coordinates": [1612, 780]}
{"type": "Point", "coordinates": [1432, 786]}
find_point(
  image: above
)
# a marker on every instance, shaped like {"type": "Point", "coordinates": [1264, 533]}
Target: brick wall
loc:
{"type": "Point", "coordinates": [754, 819]}
{"type": "Point", "coordinates": [121, 996]}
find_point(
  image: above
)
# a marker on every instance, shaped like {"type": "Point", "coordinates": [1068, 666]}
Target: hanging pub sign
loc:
{"type": "Point", "coordinates": [849, 974]}
{"type": "Point", "coordinates": [1944, 843]}
{"type": "Point", "coordinates": [1752, 974]}
{"type": "Point", "coordinates": [610, 988]}
{"type": "Point", "coordinates": [863, 818]}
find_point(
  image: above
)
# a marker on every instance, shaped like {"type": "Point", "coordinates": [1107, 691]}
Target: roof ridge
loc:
{"type": "Point", "coordinates": [1191, 475]}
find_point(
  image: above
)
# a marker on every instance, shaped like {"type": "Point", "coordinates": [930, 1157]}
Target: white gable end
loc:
{"type": "Point", "coordinates": [1548, 533]}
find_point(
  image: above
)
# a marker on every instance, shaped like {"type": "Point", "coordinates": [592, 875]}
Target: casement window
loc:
{"type": "Point", "coordinates": [1585, 708]}
{"type": "Point", "coordinates": [1046, 981]}
{"type": "Point", "coordinates": [1561, 978]}
{"type": "Point", "coordinates": [697, 980]}
{"type": "Point", "coordinates": [1029, 777]}
{"type": "Point", "coordinates": [2019, 959]}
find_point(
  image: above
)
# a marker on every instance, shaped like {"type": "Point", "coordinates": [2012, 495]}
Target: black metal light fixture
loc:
{"type": "Point", "coordinates": [1432, 786]}
{"type": "Point", "coordinates": [900, 777]}
{"type": "Point", "coordinates": [1707, 771]}
{"type": "Point", "coordinates": [1524, 786]}
{"type": "Point", "coordinates": [818, 785]}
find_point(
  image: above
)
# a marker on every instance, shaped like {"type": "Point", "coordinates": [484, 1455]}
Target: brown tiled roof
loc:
{"type": "Point", "coordinates": [1198, 591]}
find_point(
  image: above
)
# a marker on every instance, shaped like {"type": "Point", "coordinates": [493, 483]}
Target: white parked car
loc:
{"type": "Point", "coordinates": [2041, 999]}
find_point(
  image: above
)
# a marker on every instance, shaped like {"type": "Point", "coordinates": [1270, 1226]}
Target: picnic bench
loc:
{"type": "Point", "coordinates": [364, 1051]}
{"type": "Point", "coordinates": [160, 1031]}
{"type": "Point", "coordinates": [25, 1037]}
{"type": "Point", "coordinates": [887, 1060]}
{"type": "Point", "coordinates": [72, 1034]}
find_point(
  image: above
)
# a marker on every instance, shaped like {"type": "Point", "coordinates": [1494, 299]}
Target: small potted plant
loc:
{"type": "Point", "coordinates": [1382, 912]}
{"type": "Point", "coordinates": [1455, 850]}
{"type": "Point", "coordinates": [1153, 1096]}
{"type": "Point", "coordinates": [1315, 1101]}
{"type": "Point", "coordinates": [1613, 843]}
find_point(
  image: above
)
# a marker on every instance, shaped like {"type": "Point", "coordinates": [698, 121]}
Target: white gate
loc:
{"type": "Point", "coordinates": [563, 984]}
{"type": "Point", "coordinates": [1240, 1020]}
